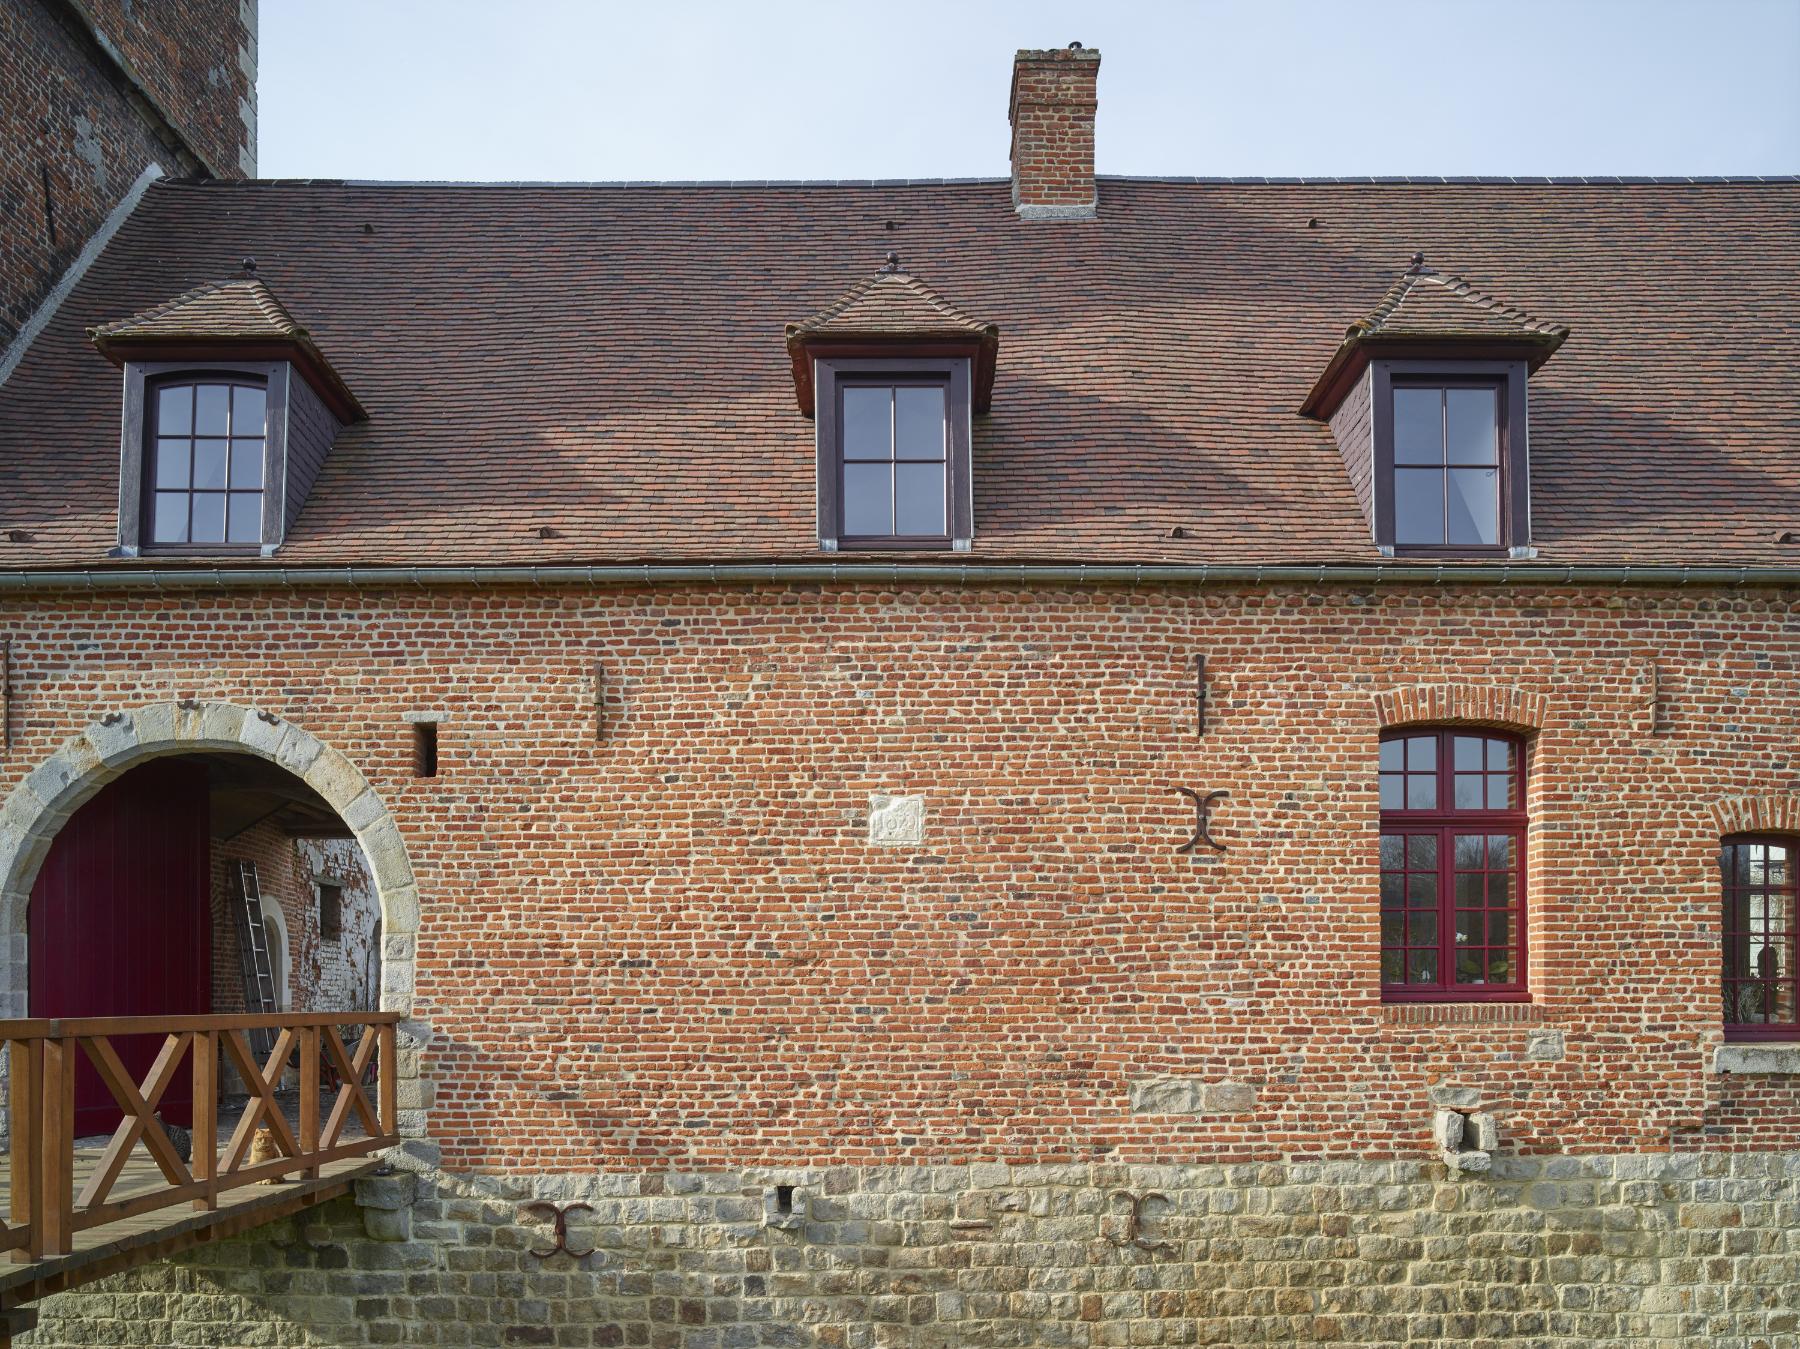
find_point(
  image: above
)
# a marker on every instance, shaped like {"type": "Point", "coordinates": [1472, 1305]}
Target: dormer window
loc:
{"type": "Point", "coordinates": [230, 410]}
{"type": "Point", "coordinates": [204, 461]}
{"type": "Point", "coordinates": [892, 377]}
{"type": "Point", "coordinates": [1426, 400]}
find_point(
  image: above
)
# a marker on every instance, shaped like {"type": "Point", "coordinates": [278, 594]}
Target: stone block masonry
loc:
{"type": "Point", "coordinates": [1591, 1250]}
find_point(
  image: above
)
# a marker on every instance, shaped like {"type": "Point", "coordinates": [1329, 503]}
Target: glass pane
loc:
{"type": "Point", "coordinates": [1421, 792]}
{"type": "Point", "coordinates": [1499, 931]}
{"type": "Point", "coordinates": [1421, 851]}
{"type": "Point", "coordinates": [1468, 753]}
{"type": "Point", "coordinates": [247, 411]}
{"type": "Point", "coordinates": [1393, 754]}
{"type": "Point", "coordinates": [1391, 966]}
{"type": "Point", "coordinates": [868, 499]}
{"type": "Point", "coordinates": [244, 521]}
{"type": "Point", "coordinates": [1421, 753]}
{"type": "Point", "coordinates": [1418, 426]}
{"type": "Point", "coordinates": [918, 424]}
{"type": "Point", "coordinates": [210, 403]}
{"type": "Point", "coordinates": [1779, 859]}
{"type": "Point", "coordinates": [1500, 889]}
{"type": "Point", "coordinates": [919, 498]}
{"type": "Point", "coordinates": [1500, 852]}
{"type": "Point", "coordinates": [1424, 929]}
{"type": "Point", "coordinates": [1393, 928]}
{"type": "Point", "coordinates": [1469, 928]}
{"type": "Point", "coordinates": [1471, 424]}
{"type": "Point", "coordinates": [1783, 1009]}
{"type": "Point", "coordinates": [1422, 967]}
{"type": "Point", "coordinates": [1393, 889]}
{"type": "Point", "coordinates": [171, 463]}
{"type": "Point", "coordinates": [1471, 891]}
{"type": "Point", "coordinates": [1500, 967]}
{"type": "Point", "coordinates": [1393, 791]}
{"type": "Point", "coordinates": [175, 410]}
{"type": "Point", "coordinates": [1393, 851]}
{"type": "Point", "coordinates": [1499, 791]}
{"type": "Point", "coordinates": [1470, 967]}
{"type": "Point", "coordinates": [246, 463]}
{"type": "Point", "coordinates": [209, 518]}
{"type": "Point", "coordinates": [1418, 506]}
{"type": "Point", "coordinates": [1470, 790]}
{"type": "Point", "coordinates": [1474, 503]}
{"type": "Point", "coordinates": [1468, 852]}
{"type": "Point", "coordinates": [209, 463]}
{"type": "Point", "coordinates": [169, 525]}
{"type": "Point", "coordinates": [1422, 891]}
{"type": "Point", "coordinates": [868, 428]}
{"type": "Point", "coordinates": [1499, 755]}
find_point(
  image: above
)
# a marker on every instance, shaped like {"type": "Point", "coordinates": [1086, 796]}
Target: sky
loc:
{"type": "Point", "coordinates": [681, 89]}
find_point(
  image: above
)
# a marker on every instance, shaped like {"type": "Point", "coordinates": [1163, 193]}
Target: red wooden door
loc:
{"type": "Point", "coordinates": [121, 923]}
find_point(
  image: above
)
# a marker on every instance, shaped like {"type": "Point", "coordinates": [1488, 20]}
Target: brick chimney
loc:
{"type": "Point", "coordinates": [1054, 94]}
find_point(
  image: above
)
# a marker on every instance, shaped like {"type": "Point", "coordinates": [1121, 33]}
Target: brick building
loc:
{"type": "Point", "coordinates": [1057, 760]}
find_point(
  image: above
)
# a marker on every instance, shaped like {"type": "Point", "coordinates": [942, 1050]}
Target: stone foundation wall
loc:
{"type": "Point", "coordinates": [1628, 1249]}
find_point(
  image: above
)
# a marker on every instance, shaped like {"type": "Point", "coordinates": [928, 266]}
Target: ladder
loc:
{"type": "Point", "coordinates": [253, 951]}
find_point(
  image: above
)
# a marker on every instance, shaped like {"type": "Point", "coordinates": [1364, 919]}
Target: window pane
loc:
{"type": "Point", "coordinates": [919, 498]}
{"type": "Point", "coordinates": [1421, 851]}
{"type": "Point", "coordinates": [1391, 966]}
{"type": "Point", "coordinates": [1470, 967]}
{"type": "Point", "coordinates": [169, 525]}
{"type": "Point", "coordinates": [1422, 967]}
{"type": "Point", "coordinates": [868, 499]}
{"type": "Point", "coordinates": [244, 521]}
{"type": "Point", "coordinates": [1499, 791]}
{"type": "Point", "coordinates": [1422, 891]}
{"type": "Point", "coordinates": [1421, 792]}
{"type": "Point", "coordinates": [1393, 791]}
{"type": "Point", "coordinates": [1469, 753]}
{"type": "Point", "coordinates": [1393, 890]}
{"type": "Point", "coordinates": [1470, 790]}
{"type": "Point", "coordinates": [1776, 865]}
{"type": "Point", "coordinates": [171, 463]}
{"type": "Point", "coordinates": [1393, 754]}
{"type": "Point", "coordinates": [1471, 889]}
{"type": "Point", "coordinates": [1474, 505]}
{"type": "Point", "coordinates": [210, 402]}
{"type": "Point", "coordinates": [246, 463]}
{"type": "Point", "coordinates": [1418, 426]}
{"type": "Point", "coordinates": [918, 424]}
{"type": "Point", "coordinates": [209, 518]}
{"type": "Point", "coordinates": [1470, 927]}
{"type": "Point", "coordinates": [1499, 755]}
{"type": "Point", "coordinates": [1500, 967]}
{"type": "Point", "coordinates": [1393, 851]}
{"type": "Point", "coordinates": [1421, 754]}
{"type": "Point", "coordinates": [1500, 852]}
{"type": "Point", "coordinates": [1468, 852]}
{"type": "Point", "coordinates": [1393, 928]}
{"type": "Point", "coordinates": [1471, 424]}
{"type": "Point", "coordinates": [175, 410]}
{"type": "Point", "coordinates": [1424, 929]}
{"type": "Point", "coordinates": [1418, 506]}
{"type": "Point", "coordinates": [247, 411]}
{"type": "Point", "coordinates": [209, 463]}
{"type": "Point", "coordinates": [868, 428]}
{"type": "Point", "coordinates": [1499, 928]}
{"type": "Point", "coordinates": [1500, 889]}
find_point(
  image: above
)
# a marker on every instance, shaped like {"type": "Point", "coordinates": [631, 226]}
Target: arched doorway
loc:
{"type": "Point", "coordinates": [253, 770]}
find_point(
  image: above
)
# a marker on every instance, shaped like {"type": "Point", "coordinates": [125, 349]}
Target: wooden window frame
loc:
{"type": "Point", "coordinates": [1445, 822]}
{"type": "Point", "coordinates": [142, 378]}
{"type": "Point", "coordinates": [1509, 378]}
{"type": "Point", "coordinates": [830, 374]}
{"type": "Point", "coordinates": [1753, 1031]}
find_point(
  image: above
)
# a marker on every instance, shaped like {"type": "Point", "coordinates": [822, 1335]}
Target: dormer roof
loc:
{"type": "Point", "coordinates": [1428, 311]}
{"type": "Point", "coordinates": [239, 318]}
{"type": "Point", "coordinates": [893, 313]}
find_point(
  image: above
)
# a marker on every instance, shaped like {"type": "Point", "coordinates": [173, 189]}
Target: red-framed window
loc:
{"type": "Point", "coordinates": [1452, 865]}
{"type": "Point", "coordinates": [1762, 937]}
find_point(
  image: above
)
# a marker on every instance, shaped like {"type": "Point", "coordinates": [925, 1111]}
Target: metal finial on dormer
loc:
{"type": "Point", "coordinates": [893, 263]}
{"type": "Point", "coordinates": [248, 269]}
{"type": "Point", "coordinates": [1418, 262]}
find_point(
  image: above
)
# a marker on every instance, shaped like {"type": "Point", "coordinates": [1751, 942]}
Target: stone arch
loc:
{"type": "Point", "coordinates": [112, 744]}
{"type": "Point", "coordinates": [1496, 705]}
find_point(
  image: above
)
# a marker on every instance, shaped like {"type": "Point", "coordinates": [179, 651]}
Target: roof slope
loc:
{"type": "Point", "coordinates": [240, 308]}
{"type": "Point", "coordinates": [598, 373]}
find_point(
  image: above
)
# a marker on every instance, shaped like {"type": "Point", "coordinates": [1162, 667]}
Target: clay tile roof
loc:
{"type": "Point", "coordinates": [1427, 307]}
{"type": "Point", "coordinates": [239, 315]}
{"type": "Point", "coordinates": [893, 306]}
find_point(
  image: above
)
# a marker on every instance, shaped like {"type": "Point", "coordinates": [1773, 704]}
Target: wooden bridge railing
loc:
{"type": "Point", "coordinates": [47, 1209]}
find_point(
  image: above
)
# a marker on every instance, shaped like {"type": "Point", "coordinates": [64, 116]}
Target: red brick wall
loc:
{"type": "Point", "coordinates": [675, 946]}
{"type": "Point", "coordinates": [71, 144]}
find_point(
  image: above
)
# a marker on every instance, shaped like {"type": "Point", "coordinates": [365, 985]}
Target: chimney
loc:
{"type": "Point", "coordinates": [1054, 94]}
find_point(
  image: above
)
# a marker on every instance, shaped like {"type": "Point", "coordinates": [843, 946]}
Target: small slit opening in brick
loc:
{"type": "Point", "coordinates": [784, 1200]}
{"type": "Point", "coordinates": [425, 749]}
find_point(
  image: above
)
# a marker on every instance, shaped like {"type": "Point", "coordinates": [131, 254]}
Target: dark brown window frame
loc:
{"type": "Point", "coordinates": [1509, 377]}
{"type": "Point", "coordinates": [141, 379]}
{"type": "Point", "coordinates": [830, 374]}
{"type": "Point", "coordinates": [1444, 821]}
{"type": "Point", "coordinates": [1762, 1030]}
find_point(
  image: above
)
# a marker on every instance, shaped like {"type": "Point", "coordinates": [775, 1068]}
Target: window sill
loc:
{"type": "Point", "coordinates": [1464, 1013]}
{"type": "Point", "coordinates": [1772, 1057]}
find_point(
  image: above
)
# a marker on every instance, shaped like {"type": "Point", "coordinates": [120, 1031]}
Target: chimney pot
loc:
{"type": "Point", "coordinates": [1054, 96]}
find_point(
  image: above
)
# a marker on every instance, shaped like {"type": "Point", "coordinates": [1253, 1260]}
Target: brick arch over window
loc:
{"type": "Point", "coordinates": [1765, 813]}
{"type": "Point", "coordinates": [40, 805]}
{"type": "Point", "coordinates": [1495, 705]}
